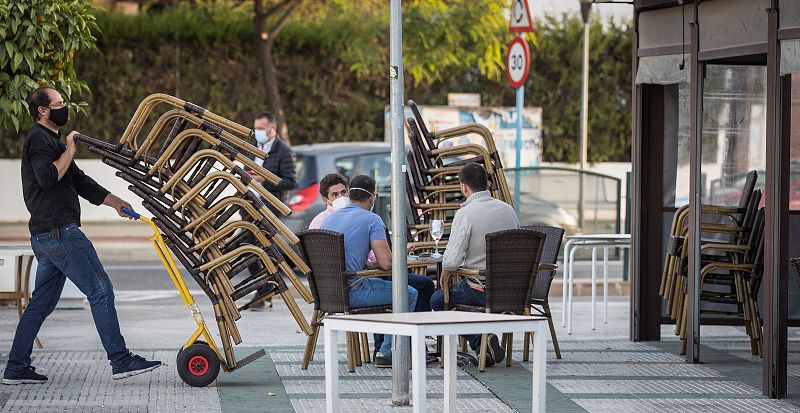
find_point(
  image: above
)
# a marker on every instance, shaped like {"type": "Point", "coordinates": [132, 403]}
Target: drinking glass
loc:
{"type": "Point", "coordinates": [437, 230]}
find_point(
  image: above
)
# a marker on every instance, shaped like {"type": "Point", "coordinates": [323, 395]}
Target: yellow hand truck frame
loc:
{"type": "Point", "coordinates": [198, 362]}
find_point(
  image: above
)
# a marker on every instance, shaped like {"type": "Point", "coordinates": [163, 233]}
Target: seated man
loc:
{"type": "Point", "coordinates": [331, 187]}
{"type": "Point", "coordinates": [479, 215]}
{"type": "Point", "coordinates": [364, 230]}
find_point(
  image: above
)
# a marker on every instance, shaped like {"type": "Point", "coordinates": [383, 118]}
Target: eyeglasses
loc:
{"type": "Point", "coordinates": [57, 105]}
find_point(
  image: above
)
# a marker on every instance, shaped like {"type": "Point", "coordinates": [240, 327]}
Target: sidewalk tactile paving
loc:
{"type": "Point", "coordinates": [608, 357]}
{"type": "Point", "coordinates": [630, 370]}
{"type": "Point", "coordinates": [384, 405]}
{"type": "Point", "coordinates": [367, 370]}
{"type": "Point", "coordinates": [467, 386]}
{"type": "Point", "coordinates": [653, 387]}
{"type": "Point", "coordinates": [81, 382]}
{"type": "Point", "coordinates": [598, 345]}
{"type": "Point", "coordinates": [684, 405]}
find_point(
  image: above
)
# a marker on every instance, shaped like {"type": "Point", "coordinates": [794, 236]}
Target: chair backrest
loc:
{"type": "Point", "coordinates": [552, 245]}
{"type": "Point", "coordinates": [747, 190]}
{"type": "Point", "coordinates": [795, 264]}
{"type": "Point", "coordinates": [512, 258]}
{"type": "Point", "coordinates": [323, 251]}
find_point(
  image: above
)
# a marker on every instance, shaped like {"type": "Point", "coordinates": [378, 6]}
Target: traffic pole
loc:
{"type": "Point", "coordinates": [400, 347]}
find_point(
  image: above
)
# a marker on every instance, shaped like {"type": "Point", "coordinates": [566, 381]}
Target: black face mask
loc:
{"type": "Point", "coordinates": [59, 116]}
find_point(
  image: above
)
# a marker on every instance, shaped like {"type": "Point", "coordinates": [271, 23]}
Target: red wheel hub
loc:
{"type": "Point", "coordinates": [198, 365]}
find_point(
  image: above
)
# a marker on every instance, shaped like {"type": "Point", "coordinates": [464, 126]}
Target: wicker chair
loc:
{"type": "Point", "coordinates": [543, 281]}
{"type": "Point", "coordinates": [512, 259]}
{"type": "Point", "coordinates": [322, 250]}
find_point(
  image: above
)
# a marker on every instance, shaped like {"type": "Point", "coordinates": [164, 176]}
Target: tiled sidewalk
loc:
{"type": "Point", "coordinates": [595, 376]}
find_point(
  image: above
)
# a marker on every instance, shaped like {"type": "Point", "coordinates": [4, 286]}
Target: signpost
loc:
{"type": "Point", "coordinates": [518, 63]}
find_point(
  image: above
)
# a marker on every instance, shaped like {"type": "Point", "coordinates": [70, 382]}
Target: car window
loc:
{"type": "Point", "coordinates": [379, 167]}
{"type": "Point", "coordinates": [345, 166]}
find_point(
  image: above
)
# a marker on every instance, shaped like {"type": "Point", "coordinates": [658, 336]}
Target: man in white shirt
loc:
{"type": "Point", "coordinates": [331, 187]}
{"type": "Point", "coordinates": [479, 215]}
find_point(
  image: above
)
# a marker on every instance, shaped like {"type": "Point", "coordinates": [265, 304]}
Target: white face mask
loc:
{"type": "Point", "coordinates": [341, 202]}
{"type": "Point", "coordinates": [261, 136]}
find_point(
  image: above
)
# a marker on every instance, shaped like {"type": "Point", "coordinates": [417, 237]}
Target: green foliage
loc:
{"type": "Point", "coordinates": [40, 39]}
{"type": "Point", "coordinates": [332, 61]}
{"type": "Point", "coordinates": [555, 85]}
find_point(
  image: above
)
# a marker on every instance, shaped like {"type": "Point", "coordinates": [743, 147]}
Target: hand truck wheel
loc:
{"type": "Point", "coordinates": [196, 342]}
{"type": "Point", "coordinates": [198, 365]}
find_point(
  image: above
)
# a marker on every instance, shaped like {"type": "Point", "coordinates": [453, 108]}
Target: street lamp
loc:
{"type": "Point", "coordinates": [586, 13]}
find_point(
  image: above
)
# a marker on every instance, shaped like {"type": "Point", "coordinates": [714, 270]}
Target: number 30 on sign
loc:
{"type": "Point", "coordinates": [518, 61]}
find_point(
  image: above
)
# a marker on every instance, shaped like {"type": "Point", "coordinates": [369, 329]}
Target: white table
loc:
{"type": "Point", "coordinates": [593, 241]}
{"type": "Point", "coordinates": [450, 324]}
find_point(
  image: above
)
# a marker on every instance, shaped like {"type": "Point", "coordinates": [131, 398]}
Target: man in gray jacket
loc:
{"type": "Point", "coordinates": [479, 215]}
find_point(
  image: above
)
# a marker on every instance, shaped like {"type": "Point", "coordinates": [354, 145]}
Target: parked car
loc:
{"type": "Point", "coordinates": [374, 159]}
{"type": "Point", "coordinates": [347, 158]}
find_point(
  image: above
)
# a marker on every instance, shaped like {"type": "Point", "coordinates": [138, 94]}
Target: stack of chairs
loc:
{"type": "Point", "coordinates": [731, 263]}
{"type": "Point", "coordinates": [432, 186]}
{"type": "Point", "coordinates": [190, 171]}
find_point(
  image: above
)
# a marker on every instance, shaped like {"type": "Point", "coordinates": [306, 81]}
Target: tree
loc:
{"type": "Point", "coordinates": [40, 39]}
{"type": "Point", "coordinates": [267, 32]}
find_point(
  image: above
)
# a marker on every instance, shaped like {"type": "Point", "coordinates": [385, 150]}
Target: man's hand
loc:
{"type": "Point", "coordinates": [256, 177]}
{"type": "Point", "coordinates": [117, 203]}
{"type": "Point", "coordinates": [71, 141]}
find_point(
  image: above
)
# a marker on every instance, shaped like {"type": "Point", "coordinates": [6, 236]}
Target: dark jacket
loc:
{"type": "Point", "coordinates": [280, 161]}
{"type": "Point", "coordinates": [53, 203]}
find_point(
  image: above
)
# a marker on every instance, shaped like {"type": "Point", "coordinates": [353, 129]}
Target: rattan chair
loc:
{"type": "Point", "coordinates": [512, 262]}
{"type": "Point", "coordinates": [544, 279]}
{"type": "Point", "coordinates": [324, 252]}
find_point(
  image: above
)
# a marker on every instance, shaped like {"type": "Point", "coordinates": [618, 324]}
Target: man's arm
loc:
{"type": "Point", "coordinates": [286, 171]}
{"type": "Point", "coordinates": [86, 187]}
{"type": "Point", "coordinates": [65, 160]}
{"type": "Point", "coordinates": [383, 255]}
{"type": "Point", "coordinates": [45, 169]}
{"type": "Point", "coordinates": [456, 252]}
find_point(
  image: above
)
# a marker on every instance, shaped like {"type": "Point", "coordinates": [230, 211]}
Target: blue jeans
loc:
{"type": "Point", "coordinates": [425, 288]}
{"type": "Point", "coordinates": [461, 293]}
{"type": "Point", "coordinates": [72, 256]}
{"type": "Point", "coordinates": [375, 291]}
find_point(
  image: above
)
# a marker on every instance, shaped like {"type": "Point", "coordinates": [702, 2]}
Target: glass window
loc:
{"type": "Point", "coordinates": [794, 152]}
{"type": "Point", "coordinates": [676, 145]}
{"type": "Point", "coordinates": [734, 130]}
{"type": "Point", "coordinates": [345, 166]}
{"type": "Point", "coordinates": [379, 167]}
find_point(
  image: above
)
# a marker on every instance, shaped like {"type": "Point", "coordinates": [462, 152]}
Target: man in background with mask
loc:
{"type": "Point", "coordinates": [51, 184]}
{"type": "Point", "coordinates": [279, 161]}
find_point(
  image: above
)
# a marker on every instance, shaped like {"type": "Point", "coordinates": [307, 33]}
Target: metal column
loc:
{"type": "Point", "coordinates": [400, 348]}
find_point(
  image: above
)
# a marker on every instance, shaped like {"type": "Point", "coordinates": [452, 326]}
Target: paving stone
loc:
{"type": "Point", "coordinates": [710, 387]}
{"type": "Point", "coordinates": [599, 345]}
{"type": "Point", "coordinates": [81, 382]}
{"type": "Point", "coordinates": [609, 357]}
{"type": "Point", "coordinates": [367, 370]}
{"type": "Point", "coordinates": [631, 370]}
{"type": "Point", "coordinates": [384, 405]}
{"type": "Point", "coordinates": [685, 405]}
{"type": "Point", "coordinates": [467, 386]}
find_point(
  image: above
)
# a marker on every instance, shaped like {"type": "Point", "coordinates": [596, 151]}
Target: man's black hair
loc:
{"type": "Point", "coordinates": [330, 180]}
{"type": "Point", "coordinates": [39, 97]}
{"type": "Point", "coordinates": [361, 187]}
{"type": "Point", "coordinates": [268, 116]}
{"type": "Point", "coordinates": [474, 176]}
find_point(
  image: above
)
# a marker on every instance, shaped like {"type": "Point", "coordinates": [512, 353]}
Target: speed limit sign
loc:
{"type": "Point", "coordinates": [518, 61]}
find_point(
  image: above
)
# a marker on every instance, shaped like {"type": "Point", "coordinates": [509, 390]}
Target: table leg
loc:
{"type": "Point", "coordinates": [565, 277]}
{"type": "Point", "coordinates": [594, 283]}
{"type": "Point", "coordinates": [605, 285]}
{"type": "Point", "coordinates": [418, 373]}
{"type": "Point", "coordinates": [569, 296]}
{"type": "Point", "coordinates": [331, 372]}
{"type": "Point", "coordinates": [450, 374]}
{"type": "Point", "coordinates": [539, 372]}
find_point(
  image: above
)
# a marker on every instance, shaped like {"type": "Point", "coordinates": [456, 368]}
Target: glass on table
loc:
{"type": "Point", "coordinates": [437, 231]}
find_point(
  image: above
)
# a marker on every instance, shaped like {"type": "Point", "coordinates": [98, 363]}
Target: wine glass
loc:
{"type": "Point", "coordinates": [437, 230]}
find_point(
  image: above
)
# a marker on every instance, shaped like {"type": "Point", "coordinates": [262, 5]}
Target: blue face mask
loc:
{"type": "Point", "coordinates": [261, 136]}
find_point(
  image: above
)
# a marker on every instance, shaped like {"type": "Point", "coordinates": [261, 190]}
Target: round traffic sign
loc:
{"type": "Point", "coordinates": [518, 62]}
